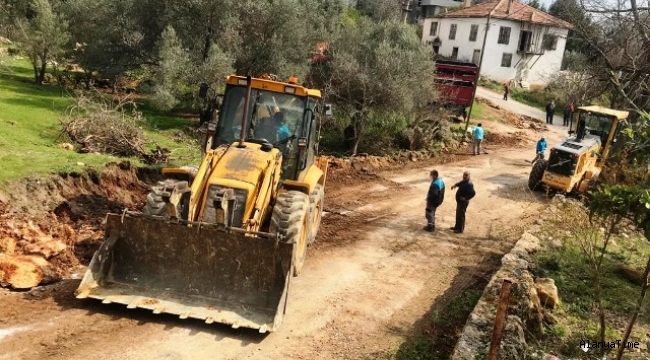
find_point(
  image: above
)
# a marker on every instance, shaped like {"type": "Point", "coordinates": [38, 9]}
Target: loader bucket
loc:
{"type": "Point", "coordinates": [196, 272]}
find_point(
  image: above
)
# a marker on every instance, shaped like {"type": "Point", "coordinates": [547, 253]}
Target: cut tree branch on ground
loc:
{"type": "Point", "coordinates": [100, 125]}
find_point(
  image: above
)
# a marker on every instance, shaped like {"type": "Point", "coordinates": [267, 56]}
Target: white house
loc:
{"type": "Point", "coordinates": [523, 44]}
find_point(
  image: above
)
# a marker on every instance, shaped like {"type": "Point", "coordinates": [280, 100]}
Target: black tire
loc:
{"type": "Point", "coordinates": [291, 220]}
{"type": "Point", "coordinates": [316, 206]}
{"type": "Point", "coordinates": [155, 204]}
{"type": "Point", "coordinates": [536, 174]}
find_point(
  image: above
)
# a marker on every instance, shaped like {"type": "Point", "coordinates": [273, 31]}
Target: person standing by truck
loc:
{"type": "Point", "coordinates": [478, 138]}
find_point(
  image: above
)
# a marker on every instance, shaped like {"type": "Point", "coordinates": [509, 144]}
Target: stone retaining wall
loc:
{"type": "Point", "coordinates": [525, 312]}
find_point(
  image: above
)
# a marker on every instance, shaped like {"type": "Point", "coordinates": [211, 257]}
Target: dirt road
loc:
{"type": "Point", "coordinates": [372, 276]}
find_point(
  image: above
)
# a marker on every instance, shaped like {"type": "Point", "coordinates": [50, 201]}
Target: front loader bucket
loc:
{"type": "Point", "coordinates": [193, 271]}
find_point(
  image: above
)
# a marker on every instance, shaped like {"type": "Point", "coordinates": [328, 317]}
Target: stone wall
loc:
{"type": "Point", "coordinates": [526, 315]}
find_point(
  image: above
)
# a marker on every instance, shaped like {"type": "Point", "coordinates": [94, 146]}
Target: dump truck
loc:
{"type": "Point", "coordinates": [455, 81]}
{"type": "Point", "coordinates": [221, 241]}
{"type": "Point", "coordinates": [575, 163]}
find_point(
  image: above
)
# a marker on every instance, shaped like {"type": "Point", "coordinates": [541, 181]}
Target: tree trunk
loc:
{"type": "Point", "coordinates": [41, 75]}
{"type": "Point", "coordinates": [597, 268]}
{"type": "Point", "coordinates": [36, 77]}
{"type": "Point", "coordinates": [601, 311]}
{"type": "Point", "coordinates": [357, 124]}
{"type": "Point", "coordinates": [637, 310]}
{"type": "Point", "coordinates": [208, 39]}
{"type": "Point", "coordinates": [355, 145]}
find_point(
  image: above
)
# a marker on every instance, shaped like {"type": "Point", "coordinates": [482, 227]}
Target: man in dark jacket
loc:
{"type": "Point", "coordinates": [550, 111]}
{"type": "Point", "coordinates": [464, 194]}
{"type": "Point", "coordinates": [435, 197]}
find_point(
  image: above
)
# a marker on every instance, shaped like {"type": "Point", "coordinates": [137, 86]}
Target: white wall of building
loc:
{"type": "Point", "coordinates": [534, 69]}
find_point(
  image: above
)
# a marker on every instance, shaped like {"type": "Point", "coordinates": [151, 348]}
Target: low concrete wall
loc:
{"type": "Point", "coordinates": [525, 314]}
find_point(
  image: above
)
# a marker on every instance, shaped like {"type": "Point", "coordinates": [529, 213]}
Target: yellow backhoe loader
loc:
{"type": "Point", "coordinates": [576, 162]}
{"type": "Point", "coordinates": [220, 242]}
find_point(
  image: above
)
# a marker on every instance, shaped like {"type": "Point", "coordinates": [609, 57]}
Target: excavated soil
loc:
{"type": "Point", "coordinates": [68, 209]}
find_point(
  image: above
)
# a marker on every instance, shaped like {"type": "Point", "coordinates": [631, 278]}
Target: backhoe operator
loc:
{"type": "Point", "coordinates": [272, 129]}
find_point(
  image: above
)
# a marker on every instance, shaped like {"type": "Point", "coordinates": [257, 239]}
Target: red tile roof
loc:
{"type": "Point", "coordinates": [518, 12]}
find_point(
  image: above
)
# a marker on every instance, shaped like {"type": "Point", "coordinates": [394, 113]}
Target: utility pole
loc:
{"type": "Point", "coordinates": [406, 9]}
{"type": "Point", "coordinates": [480, 65]}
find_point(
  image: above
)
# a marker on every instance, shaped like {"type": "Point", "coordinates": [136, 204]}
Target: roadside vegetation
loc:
{"type": "Point", "coordinates": [369, 64]}
{"type": "Point", "coordinates": [33, 141]}
{"type": "Point", "coordinates": [588, 286]}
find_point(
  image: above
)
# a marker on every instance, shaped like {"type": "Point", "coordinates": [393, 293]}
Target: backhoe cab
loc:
{"type": "Point", "coordinates": [219, 242]}
{"type": "Point", "coordinates": [576, 162]}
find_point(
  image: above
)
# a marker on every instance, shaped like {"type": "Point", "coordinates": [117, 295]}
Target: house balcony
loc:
{"type": "Point", "coordinates": [530, 51]}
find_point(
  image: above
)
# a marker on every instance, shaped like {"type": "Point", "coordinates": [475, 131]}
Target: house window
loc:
{"type": "Point", "coordinates": [525, 41]}
{"type": "Point", "coordinates": [434, 29]}
{"type": "Point", "coordinates": [550, 42]}
{"type": "Point", "coordinates": [454, 53]}
{"type": "Point", "coordinates": [452, 32]}
{"type": "Point", "coordinates": [476, 57]}
{"type": "Point", "coordinates": [506, 60]}
{"type": "Point", "coordinates": [504, 35]}
{"type": "Point", "coordinates": [473, 33]}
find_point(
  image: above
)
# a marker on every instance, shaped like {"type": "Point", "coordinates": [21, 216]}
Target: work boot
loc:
{"type": "Point", "coordinates": [429, 228]}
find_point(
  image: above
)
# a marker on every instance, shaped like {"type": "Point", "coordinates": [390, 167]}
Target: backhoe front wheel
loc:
{"type": "Point", "coordinates": [292, 221]}
{"type": "Point", "coordinates": [155, 204]}
{"type": "Point", "coordinates": [536, 174]}
{"type": "Point", "coordinates": [316, 201]}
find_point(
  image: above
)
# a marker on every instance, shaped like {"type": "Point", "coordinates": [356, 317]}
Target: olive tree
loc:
{"type": "Point", "coordinates": [276, 37]}
{"type": "Point", "coordinates": [178, 73]}
{"type": "Point", "coordinates": [379, 66]}
{"type": "Point", "coordinates": [42, 37]}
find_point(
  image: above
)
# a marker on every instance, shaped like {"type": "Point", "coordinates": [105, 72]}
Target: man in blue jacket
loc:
{"type": "Point", "coordinates": [464, 194]}
{"type": "Point", "coordinates": [478, 138]}
{"type": "Point", "coordinates": [435, 197]}
{"type": "Point", "coordinates": [540, 149]}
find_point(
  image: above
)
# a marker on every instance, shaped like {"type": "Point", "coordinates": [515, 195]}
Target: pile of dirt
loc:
{"type": "Point", "coordinates": [49, 226]}
{"type": "Point", "coordinates": [518, 138]}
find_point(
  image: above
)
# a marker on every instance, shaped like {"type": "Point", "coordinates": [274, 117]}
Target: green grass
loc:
{"type": "Point", "coordinates": [30, 128]}
{"type": "Point", "coordinates": [576, 314]}
{"type": "Point", "coordinates": [477, 110]}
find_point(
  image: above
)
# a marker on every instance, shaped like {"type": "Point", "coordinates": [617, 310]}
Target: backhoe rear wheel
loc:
{"type": "Point", "coordinates": [316, 205]}
{"type": "Point", "coordinates": [155, 204]}
{"type": "Point", "coordinates": [292, 221]}
{"type": "Point", "coordinates": [536, 174]}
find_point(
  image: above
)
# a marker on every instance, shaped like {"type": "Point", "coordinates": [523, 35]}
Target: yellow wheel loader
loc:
{"type": "Point", "coordinates": [220, 242]}
{"type": "Point", "coordinates": [575, 163]}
